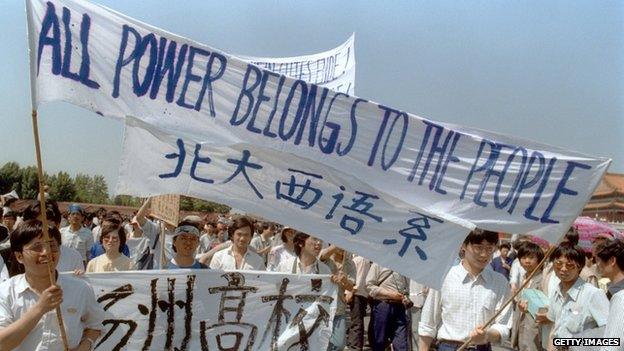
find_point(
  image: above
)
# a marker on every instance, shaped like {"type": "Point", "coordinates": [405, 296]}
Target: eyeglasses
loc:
{"type": "Point", "coordinates": [110, 238]}
{"type": "Point", "coordinates": [568, 265]}
{"type": "Point", "coordinates": [39, 247]}
{"type": "Point", "coordinates": [483, 248]}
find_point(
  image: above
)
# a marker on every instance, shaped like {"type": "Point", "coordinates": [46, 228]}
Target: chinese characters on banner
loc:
{"type": "Point", "coordinates": [166, 208]}
{"type": "Point", "coordinates": [214, 310]}
{"type": "Point", "coordinates": [300, 193]}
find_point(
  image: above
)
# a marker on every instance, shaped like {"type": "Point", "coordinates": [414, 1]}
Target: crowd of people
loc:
{"type": "Point", "coordinates": [576, 293]}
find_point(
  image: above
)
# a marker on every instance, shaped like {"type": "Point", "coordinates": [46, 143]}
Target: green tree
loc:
{"type": "Point", "coordinates": [82, 185]}
{"type": "Point", "coordinates": [10, 177]}
{"type": "Point", "coordinates": [62, 187]}
{"type": "Point", "coordinates": [29, 183]}
{"type": "Point", "coordinates": [99, 190]}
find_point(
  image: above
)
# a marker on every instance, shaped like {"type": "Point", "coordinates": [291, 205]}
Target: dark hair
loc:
{"type": "Point", "coordinates": [612, 248]}
{"type": "Point", "coordinates": [529, 248]}
{"type": "Point", "coordinates": [52, 212]}
{"type": "Point", "coordinates": [299, 241]}
{"type": "Point", "coordinates": [268, 225]}
{"type": "Point", "coordinates": [29, 230]}
{"type": "Point", "coordinates": [571, 252]}
{"type": "Point", "coordinates": [238, 223]}
{"type": "Point", "coordinates": [572, 237]}
{"type": "Point", "coordinates": [283, 234]}
{"type": "Point", "coordinates": [10, 214]}
{"type": "Point", "coordinates": [504, 246]}
{"type": "Point", "coordinates": [108, 228]}
{"type": "Point", "coordinates": [477, 236]}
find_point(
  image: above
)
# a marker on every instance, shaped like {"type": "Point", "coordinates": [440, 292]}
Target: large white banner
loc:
{"type": "Point", "coordinates": [333, 69]}
{"type": "Point", "coordinates": [297, 192]}
{"type": "Point", "coordinates": [114, 65]}
{"type": "Point", "coordinates": [214, 310]}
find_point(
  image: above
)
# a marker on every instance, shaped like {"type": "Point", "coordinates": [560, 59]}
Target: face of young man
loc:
{"type": "Point", "coordinates": [312, 246]}
{"type": "Point", "coordinates": [34, 256]}
{"type": "Point", "coordinates": [241, 238]}
{"type": "Point", "coordinates": [504, 252]}
{"type": "Point", "coordinates": [529, 262]}
{"type": "Point", "coordinates": [478, 256]}
{"type": "Point", "coordinates": [75, 218]}
{"type": "Point", "coordinates": [566, 270]}
{"type": "Point", "coordinates": [606, 268]}
{"type": "Point", "coordinates": [186, 244]}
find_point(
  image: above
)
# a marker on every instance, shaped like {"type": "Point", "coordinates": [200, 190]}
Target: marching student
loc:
{"type": "Point", "coordinates": [238, 255]}
{"type": "Point", "coordinates": [112, 239]}
{"type": "Point", "coordinates": [283, 252]}
{"type": "Point", "coordinates": [575, 305]}
{"type": "Point", "coordinates": [26, 300]}
{"type": "Point", "coordinates": [610, 261]}
{"type": "Point", "coordinates": [470, 295]}
{"type": "Point", "coordinates": [358, 300]}
{"type": "Point", "coordinates": [75, 235]}
{"type": "Point", "coordinates": [185, 243]}
{"type": "Point", "coordinates": [526, 333]}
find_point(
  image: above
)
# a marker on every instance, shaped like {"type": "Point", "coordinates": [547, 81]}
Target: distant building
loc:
{"type": "Point", "coordinates": [607, 202]}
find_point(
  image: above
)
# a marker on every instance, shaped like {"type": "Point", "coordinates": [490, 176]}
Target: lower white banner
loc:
{"type": "Point", "coordinates": [214, 310]}
{"type": "Point", "coordinates": [300, 193]}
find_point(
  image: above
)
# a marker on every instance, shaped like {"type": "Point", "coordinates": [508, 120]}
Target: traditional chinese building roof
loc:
{"type": "Point", "coordinates": [607, 202]}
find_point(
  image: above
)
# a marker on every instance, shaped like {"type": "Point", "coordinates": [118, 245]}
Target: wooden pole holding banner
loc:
{"type": "Point", "coordinates": [44, 221]}
{"type": "Point", "coordinates": [524, 284]}
{"type": "Point", "coordinates": [163, 258]}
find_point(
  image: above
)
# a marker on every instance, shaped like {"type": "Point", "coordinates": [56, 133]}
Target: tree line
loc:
{"type": "Point", "coordinates": [81, 188]}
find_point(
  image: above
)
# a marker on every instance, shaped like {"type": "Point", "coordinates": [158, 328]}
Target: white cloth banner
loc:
{"type": "Point", "coordinates": [114, 65]}
{"type": "Point", "coordinates": [206, 309]}
{"type": "Point", "coordinates": [333, 69]}
{"type": "Point", "coordinates": [297, 192]}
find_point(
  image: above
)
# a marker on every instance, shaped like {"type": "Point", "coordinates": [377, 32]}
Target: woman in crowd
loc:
{"type": "Point", "coordinates": [112, 239]}
{"type": "Point", "coordinates": [283, 252]}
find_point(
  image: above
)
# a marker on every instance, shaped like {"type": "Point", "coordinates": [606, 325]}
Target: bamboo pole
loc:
{"type": "Point", "coordinates": [44, 220]}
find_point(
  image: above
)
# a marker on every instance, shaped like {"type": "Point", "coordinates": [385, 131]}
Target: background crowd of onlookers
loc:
{"type": "Point", "coordinates": [577, 292]}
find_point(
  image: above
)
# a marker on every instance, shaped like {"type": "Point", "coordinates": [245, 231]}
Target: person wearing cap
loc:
{"type": "Point", "coordinates": [283, 252]}
{"type": "Point", "coordinates": [238, 255]}
{"type": "Point", "coordinates": [75, 235]}
{"type": "Point", "coordinates": [185, 243]}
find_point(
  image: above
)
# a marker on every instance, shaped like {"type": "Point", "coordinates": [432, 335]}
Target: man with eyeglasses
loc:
{"type": "Point", "coordinates": [470, 295]}
{"type": "Point", "coordinates": [26, 299]}
{"type": "Point", "coordinates": [575, 306]}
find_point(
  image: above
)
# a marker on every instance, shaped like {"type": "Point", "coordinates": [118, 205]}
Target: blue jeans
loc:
{"type": "Point", "coordinates": [339, 333]}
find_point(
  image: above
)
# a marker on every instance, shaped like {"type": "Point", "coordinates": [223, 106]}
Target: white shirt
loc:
{"type": "Point", "coordinates": [4, 273]}
{"type": "Point", "coordinates": [583, 307]}
{"type": "Point", "coordinates": [277, 255]}
{"type": "Point", "coordinates": [82, 240]}
{"type": "Point", "coordinates": [224, 259]}
{"type": "Point", "coordinates": [258, 244]}
{"type": "Point", "coordinates": [362, 266]}
{"type": "Point", "coordinates": [516, 273]}
{"type": "Point", "coordinates": [80, 310]}
{"type": "Point", "coordinates": [151, 230]}
{"type": "Point", "coordinates": [465, 302]}
{"type": "Point", "coordinates": [615, 323]}
{"type": "Point", "coordinates": [294, 266]}
{"type": "Point", "coordinates": [137, 246]}
{"type": "Point", "coordinates": [69, 260]}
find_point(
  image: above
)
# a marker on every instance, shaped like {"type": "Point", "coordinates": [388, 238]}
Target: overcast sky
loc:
{"type": "Point", "coordinates": [550, 71]}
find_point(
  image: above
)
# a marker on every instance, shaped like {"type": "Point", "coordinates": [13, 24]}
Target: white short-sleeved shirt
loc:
{"type": "Point", "coordinates": [615, 323]}
{"type": "Point", "coordinates": [81, 240]}
{"type": "Point", "coordinates": [583, 307]}
{"type": "Point", "coordinates": [277, 255]}
{"type": "Point", "coordinates": [69, 260]}
{"type": "Point", "coordinates": [465, 302]}
{"type": "Point", "coordinates": [224, 259]}
{"type": "Point", "coordinates": [4, 272]}
{"type": "Point", "coordinates": [80, 311]}
{"type": "Point", "coordinates": [294, 266]}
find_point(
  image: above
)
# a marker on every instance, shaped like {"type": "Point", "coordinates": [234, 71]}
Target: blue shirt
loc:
{"type": "Point", "coordinates": [97, 249]}
{"type": "Point", "coordinates": [497, 265]}
{"type": "Point", "coordinates": [195, 265]}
